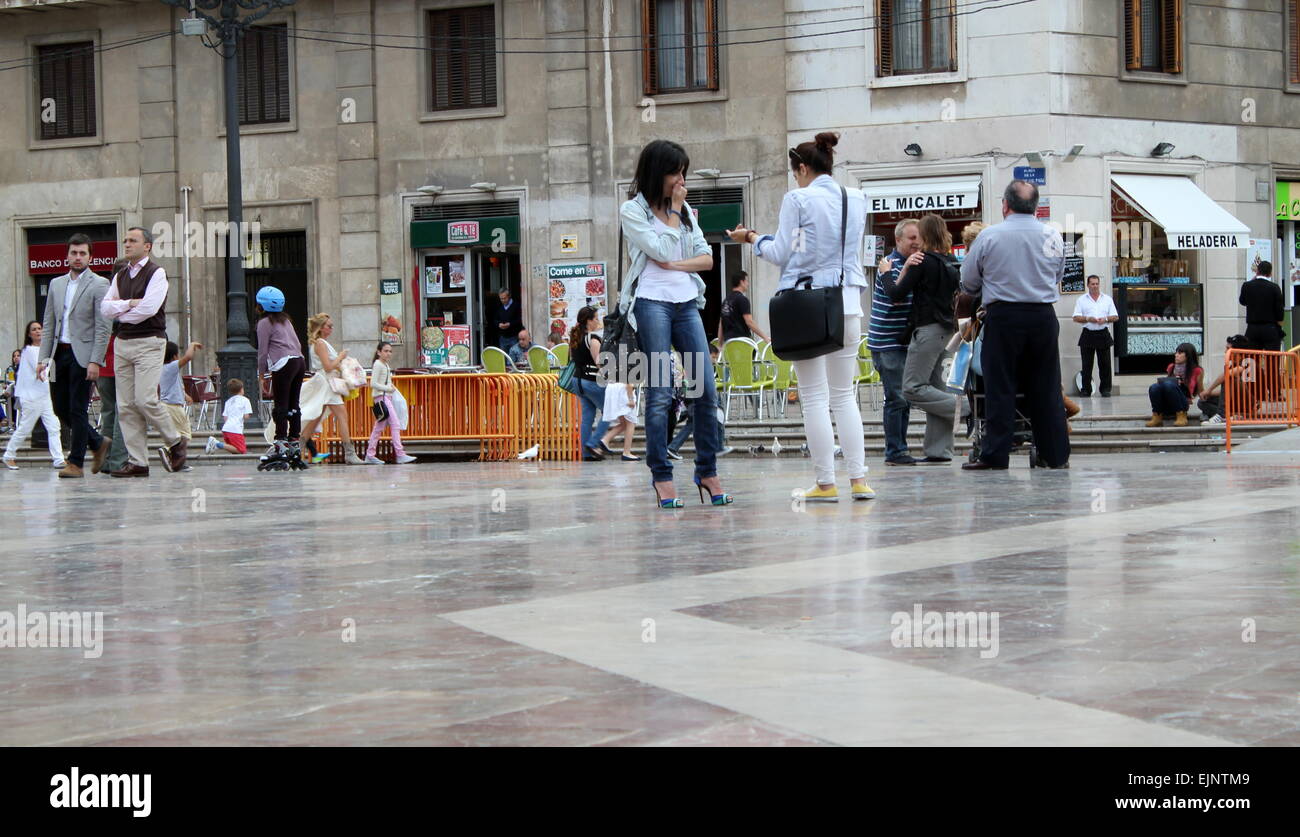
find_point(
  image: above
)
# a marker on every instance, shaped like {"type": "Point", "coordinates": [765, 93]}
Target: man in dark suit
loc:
{"type": "Point", "coordinates": [1263, 300]}
{"type": "Point", "coordinates": [77, 338]}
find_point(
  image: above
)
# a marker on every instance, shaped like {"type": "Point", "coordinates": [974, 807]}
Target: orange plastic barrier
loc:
{"type": "Point", "coordinates": [1260, 388]}
{"type": "Point", "coordinates": [506, 414]}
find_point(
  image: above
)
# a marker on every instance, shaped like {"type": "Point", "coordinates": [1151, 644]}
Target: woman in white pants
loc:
{"type": "Point", "coordinates": [34, 400]}
{"type": "Point", "coordinates": [812, 241]}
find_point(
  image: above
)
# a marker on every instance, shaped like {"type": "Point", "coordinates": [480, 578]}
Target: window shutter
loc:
{"type": "Point", "coordinates": [1171, 41]}
{"type": "Point", "coordinates": [1293, 40]}
{"type": "Point", "coordinates": [884, 39]}
{"type": "Point", "coordinates": [462, 58]}
{"type": "Point", "coordinates": [66, 74]}
{"type": "Point", "coordinates": [649, 60]}
{"type": "Point", "coordinates": [1132, 34]}
{"type": "Point", "coordinates": [951, 22]}
{"type": "Point", "coordinates": [715, 47]}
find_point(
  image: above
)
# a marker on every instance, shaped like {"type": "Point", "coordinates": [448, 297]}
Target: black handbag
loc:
{"type": "Point", "coordinates": [808, 322]}
{"type": "Point", "coordinates": [619, 335]}
{"type": "Point", "coordinates": [380, 411]}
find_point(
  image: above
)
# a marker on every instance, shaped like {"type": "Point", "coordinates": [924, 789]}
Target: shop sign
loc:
{"type": "Point", "coordinates": [1288, 201]}
{"type": "Point", "coordinates": [1206, 241]}
{"type": "Point", "coordinates": [52, 259]}
{"type": "Point", "coordinates": [462, 232]}
{"type": "Point", "coordinates": [924, 202]}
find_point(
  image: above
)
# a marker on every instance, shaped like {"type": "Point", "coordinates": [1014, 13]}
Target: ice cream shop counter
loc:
{"type": "Point", "coordinates": [1154, 318]}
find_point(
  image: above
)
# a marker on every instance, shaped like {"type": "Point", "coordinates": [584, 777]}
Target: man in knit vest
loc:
{"type": "Point", "coordinates": [135, 299]}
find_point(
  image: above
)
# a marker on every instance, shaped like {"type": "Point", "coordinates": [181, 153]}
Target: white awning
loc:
{"type": "Point", "coordinates": [1192, 221]}
{"type": "Point", "coordinates": [922, 194]}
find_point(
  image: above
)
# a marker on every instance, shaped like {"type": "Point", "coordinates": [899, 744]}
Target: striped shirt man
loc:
{"type": "Point", "coordinates": [887, 330]}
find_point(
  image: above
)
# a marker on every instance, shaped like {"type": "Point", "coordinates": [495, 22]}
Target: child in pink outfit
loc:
{"type": "Point", "coordinates": [381, 392]}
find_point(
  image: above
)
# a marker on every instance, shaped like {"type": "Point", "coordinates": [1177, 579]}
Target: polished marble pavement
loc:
{"type": "Point", "coordinates": [552, 604]}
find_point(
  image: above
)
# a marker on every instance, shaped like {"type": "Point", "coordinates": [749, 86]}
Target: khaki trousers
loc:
{"type": "Point", "coordinates": [137, 365]}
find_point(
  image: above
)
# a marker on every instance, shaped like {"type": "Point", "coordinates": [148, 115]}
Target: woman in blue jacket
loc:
{"type": "Point", "coordinates": [662, 298]}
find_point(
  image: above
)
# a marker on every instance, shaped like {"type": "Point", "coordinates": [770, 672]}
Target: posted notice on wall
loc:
{"type": "Point", "coordinates": [390, 311]}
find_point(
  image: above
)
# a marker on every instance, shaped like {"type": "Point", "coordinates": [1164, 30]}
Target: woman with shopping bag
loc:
{"type": "Point", "coordinates": [816, 246]}
{"type": "Point", "coordinates": [327, 388]}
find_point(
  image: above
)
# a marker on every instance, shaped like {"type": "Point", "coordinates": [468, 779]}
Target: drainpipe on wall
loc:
{"type": "Point", "coordinates": [185, 272]}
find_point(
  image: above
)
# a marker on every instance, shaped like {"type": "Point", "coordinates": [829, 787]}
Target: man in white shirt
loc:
{"type": "Point", "coordinates": [135, 299]}
{"type": "Point", "coordinates": [1096, 311]}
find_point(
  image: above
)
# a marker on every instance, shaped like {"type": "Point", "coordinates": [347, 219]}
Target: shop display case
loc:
{"type": "Point", "coordinates": [1153, 320]}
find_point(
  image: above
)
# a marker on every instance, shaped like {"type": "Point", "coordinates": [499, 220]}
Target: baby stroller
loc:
{"type": "Point", "coordinates": [1022, 433]}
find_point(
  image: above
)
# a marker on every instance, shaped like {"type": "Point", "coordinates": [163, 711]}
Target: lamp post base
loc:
{"type": "Point", "coordinates": [240, 361]}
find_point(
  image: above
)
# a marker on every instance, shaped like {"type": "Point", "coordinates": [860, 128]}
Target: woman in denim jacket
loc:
{"type": "Point", "coordinates": [662, 298]}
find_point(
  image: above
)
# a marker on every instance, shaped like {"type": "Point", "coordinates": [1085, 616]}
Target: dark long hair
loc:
{"type": "Point", "coordinates": [378, 349]}
{"type": "Point", "coordinates": [658, 160]}
{"type": "Point", "coordinates": [1193, 360]}
{"type": "Point", "coordinates": [27, 332]}
{"type": "Point", "coordinates": [585, 315]}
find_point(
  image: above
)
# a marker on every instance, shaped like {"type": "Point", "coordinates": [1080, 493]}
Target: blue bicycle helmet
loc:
{"type": "Point", "coordinates": [271, 299]}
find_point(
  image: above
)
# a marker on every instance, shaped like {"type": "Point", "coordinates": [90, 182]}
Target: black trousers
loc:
{"type": "Point", "coordinates": [1020, 351]}
{"type": "Point", "coordinates": [70, 392]}
{"type": "Point", "coordinates": [286, 386]}
{"type": "Point", "coordinates": [1266, 337]}
{"type": "Point", "coordinates": [1102, 355]}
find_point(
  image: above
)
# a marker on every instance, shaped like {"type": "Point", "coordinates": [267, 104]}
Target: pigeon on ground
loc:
{"type": "Point", "coordinates": [531, 453]}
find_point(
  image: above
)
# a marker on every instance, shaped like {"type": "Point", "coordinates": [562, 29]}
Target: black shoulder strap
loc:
{"type": "Point", "coordinates": [844, 227]}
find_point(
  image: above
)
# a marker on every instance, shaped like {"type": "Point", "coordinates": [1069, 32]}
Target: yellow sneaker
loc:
{"type": "Point", "coordinates": [863, 492]}
{"type": "Point", "coordinates": [817, 494]}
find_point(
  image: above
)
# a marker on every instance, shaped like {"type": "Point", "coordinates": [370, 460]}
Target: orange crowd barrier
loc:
{"type": "Point", "coordinates": [1260, 388]}
{"type": "Point", "coordinates": [506, 414]}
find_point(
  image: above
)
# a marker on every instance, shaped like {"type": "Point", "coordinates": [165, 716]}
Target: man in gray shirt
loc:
{"type": "Point", "coordinates": [1017, 267]}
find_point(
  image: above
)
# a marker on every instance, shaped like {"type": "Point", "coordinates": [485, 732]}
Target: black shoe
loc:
{"type": "Point", "coordinates": [981, 465]}
{"type": "Point", "coordinates": [672, 454]}
{"type": "Point", "coordinates": [1105, 394]}
{"type": "Point", "coordinates": [591, 455]}
{"type": "Point", "coordinates": [1042, 463]}
{"type": "Point", "coordinates": [936, 460]}
{"type": "Point", "coordinates": [1085, 393]}
{"type": "Point", "coordinates": [901, 460]}
{"type": "Point", "coordinates": [602, 448]}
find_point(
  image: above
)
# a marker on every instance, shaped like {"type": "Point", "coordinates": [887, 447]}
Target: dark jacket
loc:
{"type": "Point", "coordinates": [925, 282]}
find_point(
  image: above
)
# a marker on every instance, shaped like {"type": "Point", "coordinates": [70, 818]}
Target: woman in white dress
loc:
{"type": "Point", "coordinates": [317, 394]}
{"type": "Point", "coordinates": [620, 412]}
{"type": "Point", "coordinates": [33, 393]}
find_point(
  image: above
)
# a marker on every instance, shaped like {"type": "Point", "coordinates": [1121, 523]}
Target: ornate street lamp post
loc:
{"type": "Point", "coordinates": [229, 20]}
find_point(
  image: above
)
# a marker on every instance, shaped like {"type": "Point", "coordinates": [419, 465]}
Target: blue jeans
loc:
{"type": "Point", "coordinates": [591, 396]}
{"type": "Point", "coordinates": [1167, 397]}
{"type": "Point", "coordinates": [687, 426]}
{"type": "Point", "coordinates": [662, 326]}
{"type": "Point", "coordinates": [890, 365]}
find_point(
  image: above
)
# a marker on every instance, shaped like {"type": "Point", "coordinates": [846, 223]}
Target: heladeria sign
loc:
{"type": "Point", "coordinates": [1207, 241]}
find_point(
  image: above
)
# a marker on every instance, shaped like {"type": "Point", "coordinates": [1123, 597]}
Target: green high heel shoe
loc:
{"type": "Point", "coordinates": [716, 499]}
{"type": "Point", "coordinates": [670, 503]}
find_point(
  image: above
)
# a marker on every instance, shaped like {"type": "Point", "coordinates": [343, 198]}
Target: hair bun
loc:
{"type": "Point", "coordinates": [826, 140]}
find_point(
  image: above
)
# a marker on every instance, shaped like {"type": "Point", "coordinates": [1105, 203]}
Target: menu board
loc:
{"type": "Point", "coordinates": [456, 273]}
{"type": "Point", "coordinates": [447, 345]}
{"type": "Point", "coordinates": [569, 288]}
{"type": "Point", "coordinates": [390, 311]}
{"type": "Point", "coordinates": [1073, 282]}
